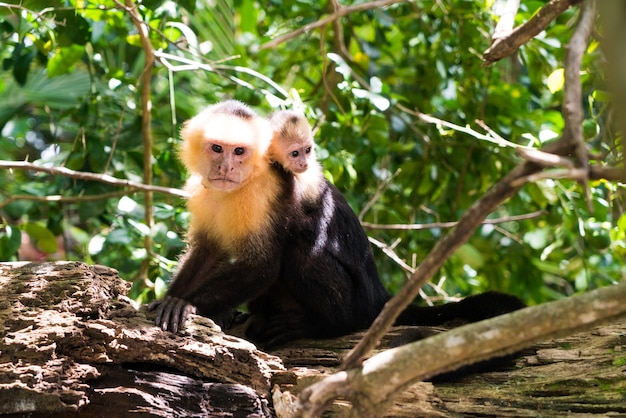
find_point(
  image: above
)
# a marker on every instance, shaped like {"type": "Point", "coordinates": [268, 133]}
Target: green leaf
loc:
{"type": "Point", "coordinates": [10, 241]}
{"type": "Point", "coordinates": [468, 254]}
{"type": "Point", "coordinates": [72, 28]}
{"type": "Point", "coordinates": [556, 80]}
{"type": "Point", "coordinates": [56, 92]}
{"type": "Point", "coordinates": [160, 288]}
{"type": "Point", "coordinates": [41, 236]}
{"type": "Point", "coordinates": [65, 59]}
{"type": "Point", "coordinates": [96, 244]}
{"type": "Point", "coordinates": [538, 238]}
{"type": "Point", "coordinates": [119, 236]}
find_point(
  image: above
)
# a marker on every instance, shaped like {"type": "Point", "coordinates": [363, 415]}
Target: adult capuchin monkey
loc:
{"type": "Point", "coordinates": [268, 229]}
{"type": "Point", "coordinates": [328, 266]}
{"type": "Point", "coordinates": [239, 205]}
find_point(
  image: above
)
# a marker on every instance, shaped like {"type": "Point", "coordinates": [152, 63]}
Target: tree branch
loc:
{"type": "Point", "coordinates": [102, 178]}
{"type": "Point", "coordinates": [490, 136]}
{"type": "Point", "coordinates": [338, 14]}
{"type": "Point", "coordinates": [446, 246]}
{"type": "Point", "coordinates": [504, 46]}
{"type": "Point", "coordinates": [419, 227]}
{"type": "Point", "coordinates": [384, 375]}
{"type": "Point", "coordinates": [572, 90]}
{"type": "Point", "coordinates": [146, 122]}
{"type": "Point", "coordinates": [61, 199]}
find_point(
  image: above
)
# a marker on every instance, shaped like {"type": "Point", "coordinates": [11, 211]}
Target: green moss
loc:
{"type": "Point", "coordinates": [619, 362]}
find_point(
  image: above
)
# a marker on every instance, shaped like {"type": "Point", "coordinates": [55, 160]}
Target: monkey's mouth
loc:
{"type": "Point", "coordinates": [299, 170]}
{"type": "Point", "coordinates": [224, 183]}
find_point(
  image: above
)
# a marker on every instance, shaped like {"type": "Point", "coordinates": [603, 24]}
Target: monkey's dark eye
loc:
{"type": "Point", "coordinates": [308, 150]}
{"type": "Point", "coordinates": [240, 151]}
{"type": "Point", "coordinates": [217, 148]}
{"type": "Point", "coordinates": [294, 153]}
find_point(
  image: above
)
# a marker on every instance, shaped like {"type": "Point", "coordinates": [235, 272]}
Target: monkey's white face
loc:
{"type": "Point", "coordinates": [297, 157]}
{"type": "Point", "coordinates": [227, 166]}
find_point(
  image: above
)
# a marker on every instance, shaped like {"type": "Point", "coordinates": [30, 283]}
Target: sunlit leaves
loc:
{"type": "Point", "coordinates": [361, 96]}
{"type": "Point", "coordinates": [556, 80]}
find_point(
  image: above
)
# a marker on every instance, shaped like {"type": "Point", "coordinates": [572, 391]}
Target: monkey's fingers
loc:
{"type": "Point", "coordinates": [153, 305]}
{"type": "Point", "coordinates": [186, 310]}
{"type": "Point", "coordinates": [168, 313]}
{"type": "Point", "coordinates": [173, 314]}
{"type": "Point", "coordinates": [163, 314]}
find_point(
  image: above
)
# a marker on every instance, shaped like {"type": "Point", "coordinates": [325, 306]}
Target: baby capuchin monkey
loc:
{"type": "Point", "coordinates": [328, 265]}
{"type": "Point", "coordinates": [293, 148]}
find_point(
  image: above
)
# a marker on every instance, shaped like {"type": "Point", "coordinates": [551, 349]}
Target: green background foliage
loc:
{"type": "Point", "coordinates": [69, 96]}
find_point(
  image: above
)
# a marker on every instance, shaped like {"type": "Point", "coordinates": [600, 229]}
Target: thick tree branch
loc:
{"type": "Point", "coordinates": [446, 246]}
{"type": "Point", "coordinates": [613, 15]}
{"type": "Point", "coordinates": [102, 178]}
{"type": "Point", "coordinates": [383, 376]}
{"type": "Point", "coordinates": [504, 46]}
{"type": "Point", "coordinates": [338, 14]}
{"type": "Point", "coordinates": [572, 90]}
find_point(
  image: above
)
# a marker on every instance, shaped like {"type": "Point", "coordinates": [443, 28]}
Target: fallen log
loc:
{"type": "Point", "coordinates": [72, 344]}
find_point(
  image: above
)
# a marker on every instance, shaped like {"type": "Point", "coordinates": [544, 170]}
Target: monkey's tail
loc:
{"type": "Point", "coordinates": [471, 309]}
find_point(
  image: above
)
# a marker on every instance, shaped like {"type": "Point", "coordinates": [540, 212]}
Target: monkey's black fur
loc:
{"type": "Point", "coordinates": [315, 278]}
{"type": "Point", "coordinates": [327, 269]}
{"type": "Point", "coordinates": [329, 284]}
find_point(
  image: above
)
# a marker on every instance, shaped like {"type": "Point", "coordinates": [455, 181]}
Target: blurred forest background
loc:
{"type": "Point", "coordinates": [410, 125]}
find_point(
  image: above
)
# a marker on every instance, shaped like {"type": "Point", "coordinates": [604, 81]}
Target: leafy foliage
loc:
{"type": "Point", "coordinates": [69, 94]}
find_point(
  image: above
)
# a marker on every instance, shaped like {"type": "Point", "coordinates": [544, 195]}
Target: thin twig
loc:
{"type": "Point", "coordinates": [341, 12]}
{"type": "Point", "coordinates": [63, 199]}
{"type": "Point", "coordinates": [544, 159]}
{"type": "Point", "coordinates": [392, 254]}
{"type": "Point", "coordinates": [419, 227]}
{"type": "Point", "coordinates": [379, 191]}
{"type": "Point", "coordinates": [497, 139]}
{"type": "Point", "coordinates": [102, 178]}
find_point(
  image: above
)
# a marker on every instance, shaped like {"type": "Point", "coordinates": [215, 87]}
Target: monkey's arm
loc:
{"type": "Point", "coordinates": [174, 309]}
{"type": "Point", "coordinates": [211, 284]}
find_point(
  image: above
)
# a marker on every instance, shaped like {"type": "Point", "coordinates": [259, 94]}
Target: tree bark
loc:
{"type": "Point", "coordinates": [71, 344]}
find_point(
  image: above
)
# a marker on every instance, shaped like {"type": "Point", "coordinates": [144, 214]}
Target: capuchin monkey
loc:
{"type": "Point", "coordinates": [239, 206]}
{"type": "Point", "coordinates": [328, 264]}
{"type": "Point", "coordinates": [267, 229]}
{"type": "Point", "coordinates": [293, 149]}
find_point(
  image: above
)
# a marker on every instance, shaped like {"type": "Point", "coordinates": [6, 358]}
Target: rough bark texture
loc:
{"type": "Point", "coordinates": [71, 344]}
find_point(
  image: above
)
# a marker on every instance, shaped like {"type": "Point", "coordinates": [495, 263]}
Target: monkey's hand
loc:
{"type": "Point", "coordinates": [172, 313]}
